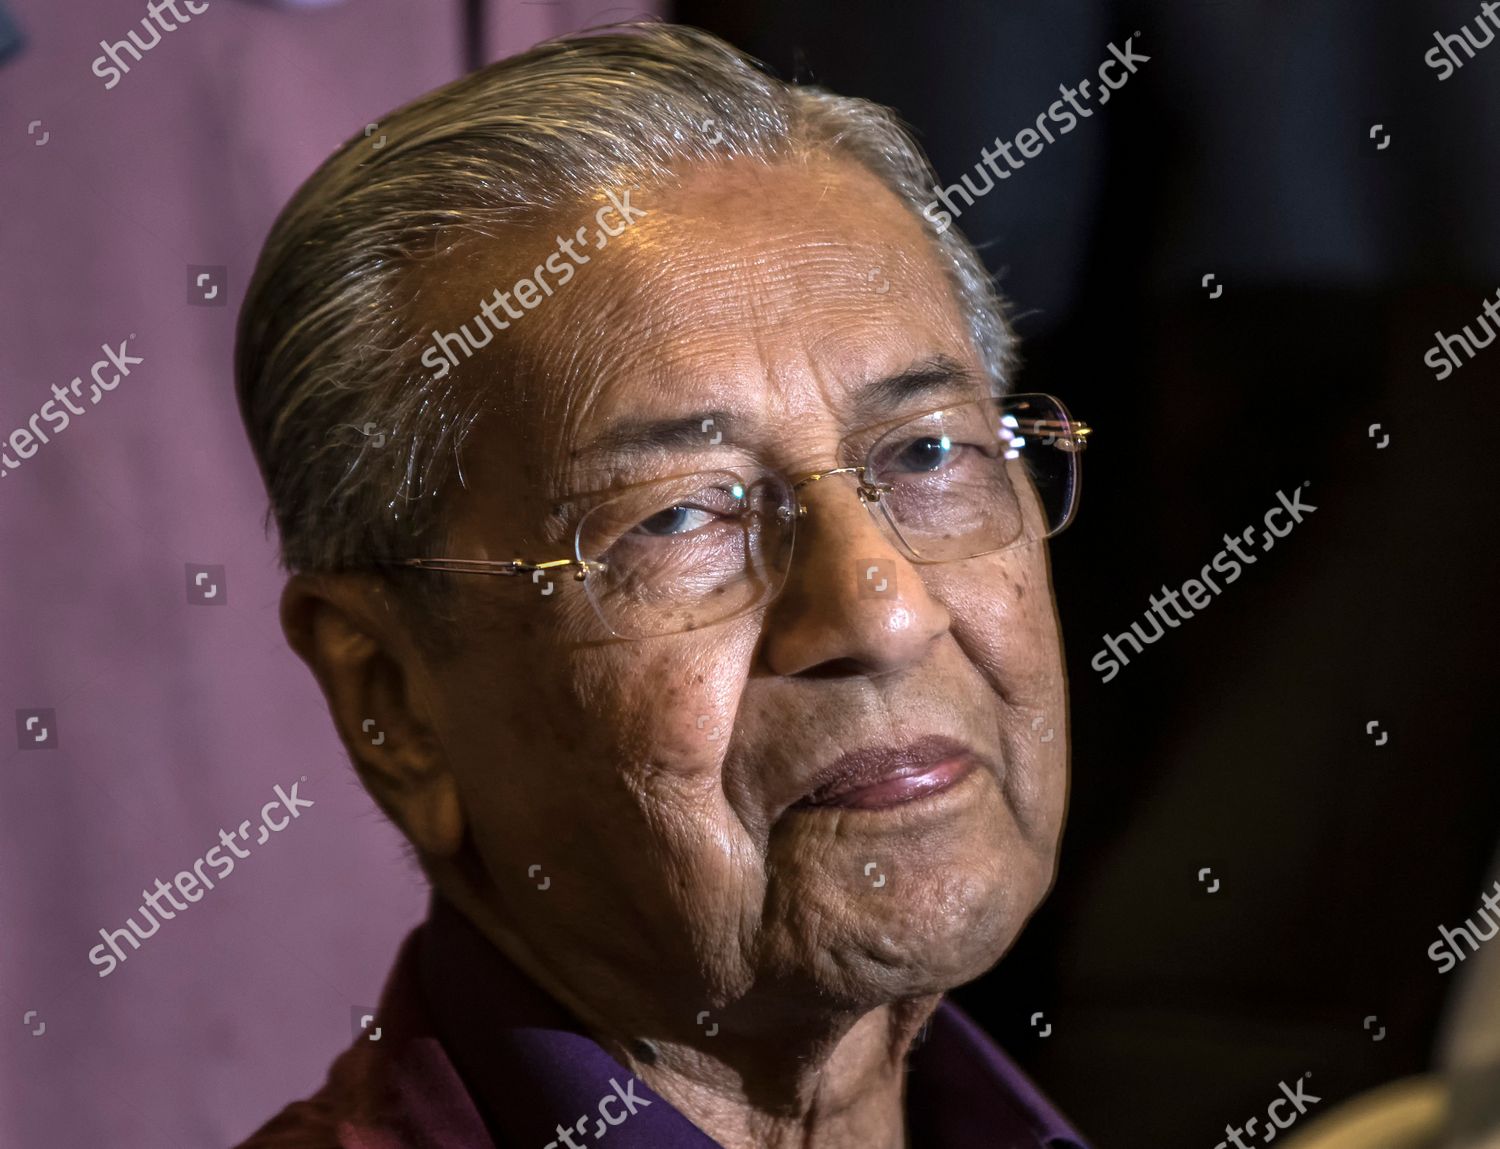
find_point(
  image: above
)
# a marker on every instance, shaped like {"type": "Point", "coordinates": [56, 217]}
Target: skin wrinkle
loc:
{"type": "Point", "coordinates": [689, 274]}
{"type": "Point", "coordinates": [682, 878]}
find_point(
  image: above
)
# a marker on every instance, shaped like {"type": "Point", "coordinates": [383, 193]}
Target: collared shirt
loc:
{"type": "Point", "coordinates": [471, 1054]}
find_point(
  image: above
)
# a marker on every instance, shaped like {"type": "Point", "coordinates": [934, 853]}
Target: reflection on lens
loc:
{"type": "Point", "coordinates": [952, 486]}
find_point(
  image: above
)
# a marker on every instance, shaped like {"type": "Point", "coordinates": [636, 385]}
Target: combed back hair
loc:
{"type": "Point", "coordinates": [354, 437]}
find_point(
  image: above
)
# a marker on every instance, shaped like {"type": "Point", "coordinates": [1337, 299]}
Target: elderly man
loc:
{"type": "Point", "coordinates": [758, 744]}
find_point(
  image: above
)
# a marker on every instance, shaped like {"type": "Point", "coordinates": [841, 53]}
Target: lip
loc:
{"type": "Point", "coordinates": [878, 777]}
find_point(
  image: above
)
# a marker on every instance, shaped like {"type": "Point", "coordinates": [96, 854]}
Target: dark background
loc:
{"type": "Point", "coordinates": [1238, 740]}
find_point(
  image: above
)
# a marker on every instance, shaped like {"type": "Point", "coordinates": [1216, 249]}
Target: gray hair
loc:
{"type": "Point", "coordinates": [354, 439]}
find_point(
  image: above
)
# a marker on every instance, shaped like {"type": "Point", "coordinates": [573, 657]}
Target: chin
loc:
{"type": "Point", "coordinates": [906, 968]}
{"type": "Point", "coordinates": [944, 947]}
{"type": "Point", "coordinates": [946, 930]}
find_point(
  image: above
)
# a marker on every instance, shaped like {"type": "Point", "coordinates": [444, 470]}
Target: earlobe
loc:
{"type": "Point", "coordinates": [436, 819]}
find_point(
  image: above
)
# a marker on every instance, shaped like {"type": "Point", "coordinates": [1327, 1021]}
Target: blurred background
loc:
{"type": "Point", "coordinates": [1343, 196]}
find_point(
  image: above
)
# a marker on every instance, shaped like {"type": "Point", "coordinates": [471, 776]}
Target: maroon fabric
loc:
{"type": "Point", "coordinates": [455, 1009]}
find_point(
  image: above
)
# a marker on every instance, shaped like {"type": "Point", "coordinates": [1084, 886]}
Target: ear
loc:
{"type": "Point", "coordinates": [353, 639]}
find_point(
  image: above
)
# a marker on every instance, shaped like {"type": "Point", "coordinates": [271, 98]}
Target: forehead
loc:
{"type": "Point", "coordinates": [770, 295]}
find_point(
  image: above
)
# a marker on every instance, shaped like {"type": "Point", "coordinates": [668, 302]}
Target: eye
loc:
{"type": "Point", "coordinates": [694, 513]}
{"type": "Point", "coordinates": [675, 521]}
{"type": "Point", "coordinates": [925, 454]}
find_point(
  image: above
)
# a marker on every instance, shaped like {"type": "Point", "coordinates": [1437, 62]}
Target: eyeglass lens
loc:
{"type": "Point", "coordinates": [686, 552]}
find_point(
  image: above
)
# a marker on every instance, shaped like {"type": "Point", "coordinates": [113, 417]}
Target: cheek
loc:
{"type": "Point", "coordinates": [623, 744]}
{"type": "Point", "coordinates": [667, 705]}
{"type": "Point", "coordinates": [1004, 618]}
{"type": "Point", "coordinates": [615, 754]}
{"type": "Point", "coordinates": [665, 843]}
{"type": "Point", "coordinates": [1005, 622]}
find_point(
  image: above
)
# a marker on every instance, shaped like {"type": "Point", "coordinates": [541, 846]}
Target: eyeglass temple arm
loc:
{"type": "Point", "coordinates": [1072, 429]}
{"type": "Point", "coordinates": [512, 567]}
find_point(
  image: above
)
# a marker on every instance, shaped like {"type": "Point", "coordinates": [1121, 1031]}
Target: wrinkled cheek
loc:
{"type": "Point", "coordinates": [668, 702]}
{"type": "Point", "coordinates": [1036, 780]}
{"type": "Point", "coordinates": [1036, 790]}
{"type": "Point", "coordinates": [1005, 621]}
{"type": "Point", "coordinates": [671, 708]}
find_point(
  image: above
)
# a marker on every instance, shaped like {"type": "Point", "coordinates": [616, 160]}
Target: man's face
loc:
{"type": "Point", "coordinates": [657, 782]}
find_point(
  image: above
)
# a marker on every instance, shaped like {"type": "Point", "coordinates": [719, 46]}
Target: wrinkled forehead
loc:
{"type": "Point", "coordinates": [772, 298]}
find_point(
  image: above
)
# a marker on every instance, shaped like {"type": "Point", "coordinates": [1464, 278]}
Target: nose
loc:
{"type": "Point", "coordinates": [852, 604]}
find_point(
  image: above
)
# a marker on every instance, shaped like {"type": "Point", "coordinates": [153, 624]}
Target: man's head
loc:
{"type": "Point", "coordinates": [771, 306]}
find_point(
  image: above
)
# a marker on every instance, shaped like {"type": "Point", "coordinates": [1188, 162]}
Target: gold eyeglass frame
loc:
{"type": "Point", "coordinates": [1072, 437]}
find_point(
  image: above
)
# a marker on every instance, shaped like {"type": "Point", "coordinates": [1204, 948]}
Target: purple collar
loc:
{"type": "Point", "coordinates": [530, 1068]}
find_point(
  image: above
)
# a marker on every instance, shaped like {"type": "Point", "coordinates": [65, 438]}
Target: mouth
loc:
{"type": "Point", "coordinates": [879, 777]}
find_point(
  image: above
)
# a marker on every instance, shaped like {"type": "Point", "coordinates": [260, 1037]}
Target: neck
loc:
{"type": "Point", "coordinates": [759, 1074]}
{"type": "Point", "coordinates": [835, 1082]}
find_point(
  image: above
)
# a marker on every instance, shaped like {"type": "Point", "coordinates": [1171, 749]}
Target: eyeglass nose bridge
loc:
{"type": "Point", "coordinates": [869, 492]}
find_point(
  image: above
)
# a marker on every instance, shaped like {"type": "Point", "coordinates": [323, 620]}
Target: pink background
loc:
{"type": "Point", "coordinates": [175, 720]}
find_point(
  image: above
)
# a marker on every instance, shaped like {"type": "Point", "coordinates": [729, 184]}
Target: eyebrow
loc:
{"type": "Point", "coordinates": [934, 376]}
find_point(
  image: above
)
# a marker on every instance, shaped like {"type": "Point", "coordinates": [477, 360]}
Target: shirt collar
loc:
{"type": "Point", "coordinates": [534, 1073]}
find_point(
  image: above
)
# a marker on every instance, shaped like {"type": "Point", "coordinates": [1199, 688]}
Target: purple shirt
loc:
{"type": "Point", "coordinates": [471, 1054]}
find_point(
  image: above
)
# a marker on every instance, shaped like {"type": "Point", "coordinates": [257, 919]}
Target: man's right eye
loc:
{"type": "Point", "coordinates": [678, 520]}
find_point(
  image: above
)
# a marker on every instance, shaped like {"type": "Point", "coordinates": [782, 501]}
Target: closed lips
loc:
{"type": "Point", "coordinates": [880, 776]}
